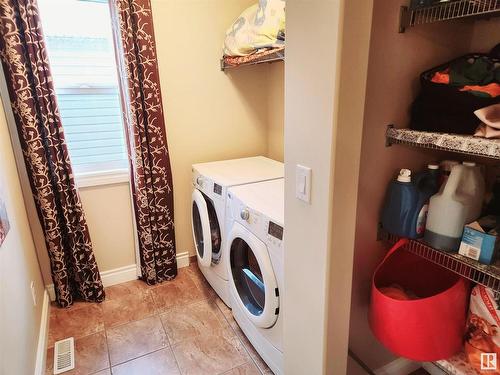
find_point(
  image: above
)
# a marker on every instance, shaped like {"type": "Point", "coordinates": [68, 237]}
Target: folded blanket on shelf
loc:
{"type": "Point", "coordinates": [262, 54]}
{"type": "Point", "coordinates": [259, 27]}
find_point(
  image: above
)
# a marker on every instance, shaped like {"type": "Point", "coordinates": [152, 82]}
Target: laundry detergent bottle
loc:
{"type": "Point", "coordinates": [427, 183]}
{"type": "Point", "coordinates": [448, 212]}
{"type": "Point", "coordinates": [446, 166]}
{"type": "Point", "coordinates": [402, 206]}
{"type": "Point", "coordinates": [473, 186]}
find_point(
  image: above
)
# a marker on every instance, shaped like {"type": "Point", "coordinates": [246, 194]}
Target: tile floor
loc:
{"type": "Point", "coordinates": [178, 327]}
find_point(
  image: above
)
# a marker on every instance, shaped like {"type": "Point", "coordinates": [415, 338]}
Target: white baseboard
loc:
{"type": "Point", "coordinates": [43, 336]}
{"type": "Point", "coordinates": [124, 274]}
{"type": "Point", "coordinates": [182, 259]}
{"type": "Point", "coordinates": [399, 366]}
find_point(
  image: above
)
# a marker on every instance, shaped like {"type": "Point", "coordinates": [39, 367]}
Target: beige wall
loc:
{"type": "Point", "coordinates": [324, 100]}
{"type": "Point", "coordinates": [309, 117]}
{"type": "Point", "coordinates": [210, 115]}
{"type": "Point", "coordinates": [109, 216]}
{"type": "Point", "coordinates": [19, 319]}
{"type": "Point", "coordinates": [348, 124]}
{"type": "Point", "coordinates": [395, 62]}
{"type": "Point", "coordinates": [276, 111]}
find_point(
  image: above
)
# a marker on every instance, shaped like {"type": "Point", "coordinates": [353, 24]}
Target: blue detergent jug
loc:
{"type": "Point", "coordinates": [428, 184]}
{"type": "Point", "coordinates": [428, 181]}
{"type": "Point", "coordinates": [405, 209]}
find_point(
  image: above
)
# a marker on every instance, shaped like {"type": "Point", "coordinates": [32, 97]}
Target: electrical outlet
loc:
{"type": "Point", "coordinates": [33, 292]}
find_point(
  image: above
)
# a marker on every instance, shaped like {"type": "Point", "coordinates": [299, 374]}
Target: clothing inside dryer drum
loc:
{"type": "Point", "coordinates": [247, 277]}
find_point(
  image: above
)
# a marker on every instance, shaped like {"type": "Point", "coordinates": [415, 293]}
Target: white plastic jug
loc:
{"type": "Point", "coordinates": [449, 211]}
{"type": "Point", "coordinates": [472, 185]}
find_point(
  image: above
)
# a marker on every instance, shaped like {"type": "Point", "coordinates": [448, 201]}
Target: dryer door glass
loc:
{"type": "Point", "coordinates": [252, 283]}
{"type": "Point", "coordinates": [247, 277]}
{"type": "Point", "coordinates": [206, 229]}
{"type": "Point", "coordinates": [214, 231]}
{"type": "Point", "coordinates": [198, 230]}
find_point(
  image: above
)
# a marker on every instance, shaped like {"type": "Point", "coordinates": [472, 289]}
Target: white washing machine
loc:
{"type": "Point", "coordinates": [208, 210]}
{"type": "Point", "coordinates": [255, 265]}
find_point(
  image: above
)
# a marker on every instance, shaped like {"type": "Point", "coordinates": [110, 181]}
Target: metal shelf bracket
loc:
{"type": "Point", "coordinates": [404, 18]}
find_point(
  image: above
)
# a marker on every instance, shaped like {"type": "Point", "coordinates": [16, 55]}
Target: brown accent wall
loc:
{"type": "Point", "coordinates": [395, 62]}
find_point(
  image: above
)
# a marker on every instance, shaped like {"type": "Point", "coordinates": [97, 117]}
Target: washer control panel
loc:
{"type": "Point", "coordinates": [254, 221]}
{"type": "Point", "coordinates": [275, 230]}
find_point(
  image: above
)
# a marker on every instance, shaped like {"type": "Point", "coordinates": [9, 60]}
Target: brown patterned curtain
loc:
{"type": "Point", "coordinates": [26, 68]}
{"type": "Point", "coordinates": [150, 163]}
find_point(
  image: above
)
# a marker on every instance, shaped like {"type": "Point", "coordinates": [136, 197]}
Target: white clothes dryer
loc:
{"type": "Point", "coordinates": [208, 210]}
{"type": "Point", "coordinates": [255, 265]}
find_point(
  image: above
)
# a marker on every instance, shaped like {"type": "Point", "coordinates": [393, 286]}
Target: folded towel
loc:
{"type": "Point", "coordinates": [490, 122]}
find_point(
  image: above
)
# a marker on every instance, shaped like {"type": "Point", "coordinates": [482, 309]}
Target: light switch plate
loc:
{"type": "Point", "coordinates": [303, 183]}
{"type": "Point", "coordinates": [33, 292]}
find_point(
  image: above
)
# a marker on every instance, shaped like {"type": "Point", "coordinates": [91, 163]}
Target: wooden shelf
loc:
{"type": "Point", "coordinates": [487, 275]}
{"type": "Point", "coordinates": [268, 56]}
{"type": "Point", "coordinates": [461, 144]}
{"type": "Point", "coordinates": [447, 10]}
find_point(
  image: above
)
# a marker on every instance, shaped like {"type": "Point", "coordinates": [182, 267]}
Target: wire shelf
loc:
{"type": "Point", "coordinates": [458, 143]}
{"type": "Point", "coordinates": [268, 56]}
{"type": "Point", "coordinates": [487, 275]}
{"type": "Point", "coordinates": [456, 365]}
{"type": "Point", "coordinates": [447, 10]}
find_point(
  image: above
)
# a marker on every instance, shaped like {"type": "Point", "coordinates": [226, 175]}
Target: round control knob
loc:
{"type": "Point", "coordinates": [245, 214]}
{"type": "Point", "coordinates": [199, 181]}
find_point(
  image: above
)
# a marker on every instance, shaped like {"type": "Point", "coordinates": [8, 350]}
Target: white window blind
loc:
{"type": "Point", "coordinates": [82, 61]}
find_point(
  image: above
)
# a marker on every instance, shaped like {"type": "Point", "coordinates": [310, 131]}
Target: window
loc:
{"type": "Point", "coordinates": [80, 47]}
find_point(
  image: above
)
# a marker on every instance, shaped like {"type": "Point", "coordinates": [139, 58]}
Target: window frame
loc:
{"type": "Point", "coordinates": [100, 178]}
{"type": "Point", "coordinates": [109, 173]}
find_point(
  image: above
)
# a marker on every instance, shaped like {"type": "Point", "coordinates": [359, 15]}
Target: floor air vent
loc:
{"type": "Point", "coordinates": [64, 355]}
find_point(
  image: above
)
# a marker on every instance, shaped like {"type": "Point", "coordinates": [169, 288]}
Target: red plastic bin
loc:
{"type": "Point", "coordinates": [429, 328]}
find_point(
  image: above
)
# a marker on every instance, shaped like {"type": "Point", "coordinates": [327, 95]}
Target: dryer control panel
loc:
{"type": "Point", "coordinates": [208, 186]}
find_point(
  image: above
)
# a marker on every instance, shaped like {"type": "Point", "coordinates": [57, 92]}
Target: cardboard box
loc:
{"type": "Point", "coordinates": [477, 244]}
